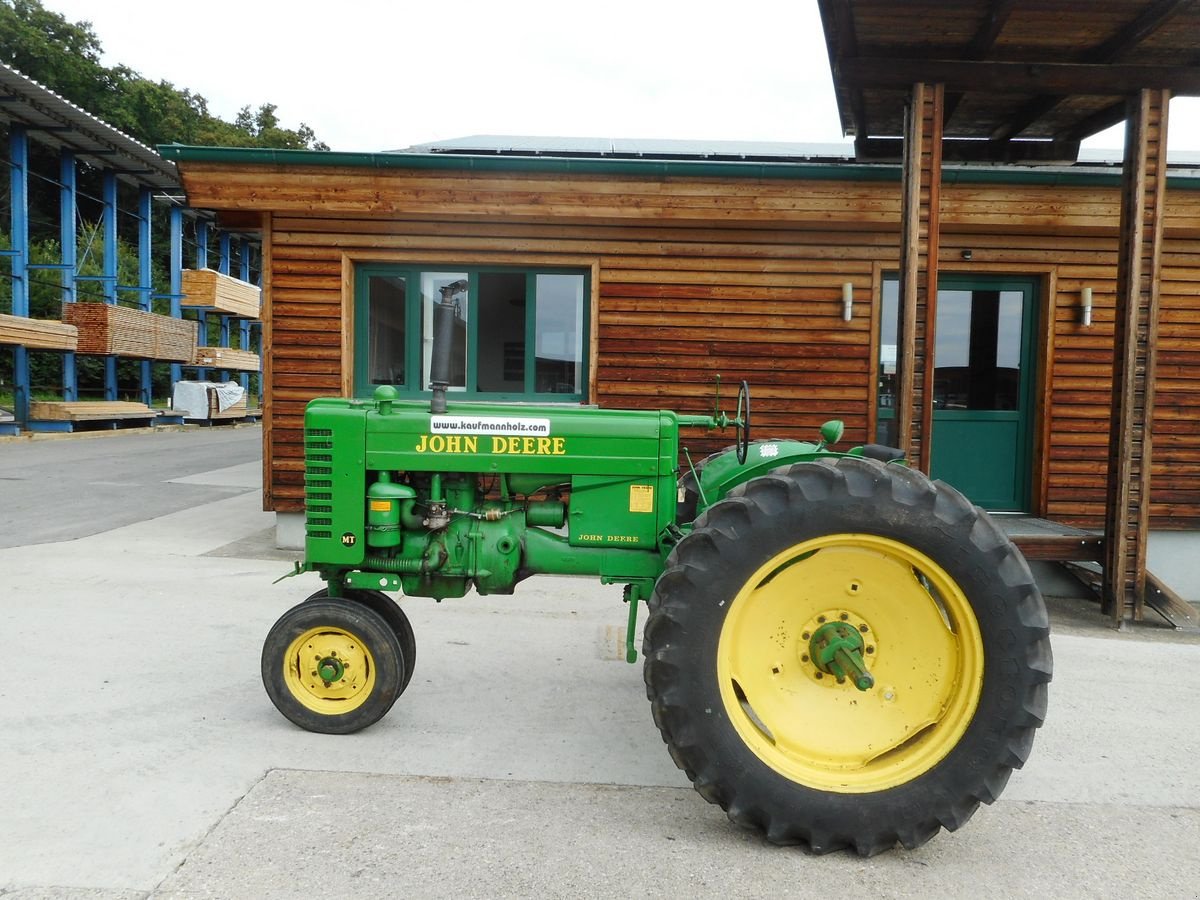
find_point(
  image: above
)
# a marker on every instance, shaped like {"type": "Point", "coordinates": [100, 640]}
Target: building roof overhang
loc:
{"type": "Point", "coordinates": [1025, 80]}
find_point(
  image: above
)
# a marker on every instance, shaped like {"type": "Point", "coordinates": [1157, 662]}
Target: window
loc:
{"type": "Point", "coordinates": [519, 334]}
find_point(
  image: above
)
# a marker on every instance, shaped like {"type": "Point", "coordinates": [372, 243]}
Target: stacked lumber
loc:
{"type": "Point", "coordinates": [87, 410]}
{"type": "Point", "coordinates": [121, 331]}
{"type": "Point", "coordinates": [210, 290]}
{"type": "Point", "coordinates": [237, 411]}
{"type": "Point", "coordinates": [227, 358]}
{"type": "Point", "coordinates": [37, 334]}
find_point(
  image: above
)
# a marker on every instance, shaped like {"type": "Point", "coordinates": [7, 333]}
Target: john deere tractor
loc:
{"type": "Point", "coordinates": [839, 651]}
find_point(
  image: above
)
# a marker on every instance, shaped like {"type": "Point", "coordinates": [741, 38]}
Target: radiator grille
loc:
{"type": "Point", "coordinates": [318, 496]}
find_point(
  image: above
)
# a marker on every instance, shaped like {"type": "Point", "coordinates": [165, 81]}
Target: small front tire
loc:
{"type": "Point", "coordinates": [332, 666]}
{"type": "Point", "coordinates": [391, 612]}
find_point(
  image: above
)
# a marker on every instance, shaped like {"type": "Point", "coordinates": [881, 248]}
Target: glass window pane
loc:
{"type": "Point", "coordinates": [978, 350]}
{"type": "Point", "coordinates": [445, 287]}
{"type": "Point", "coordinates": [500, 363]}
{"type": "Point", "coordinates": [385, 329]}
{"type": "Point", "coordinates": [558, 368]}
{"type": "Point", "coordinates": [889, 326]}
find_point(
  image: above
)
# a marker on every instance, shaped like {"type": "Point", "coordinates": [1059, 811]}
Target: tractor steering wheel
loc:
{"type": "Point", "coordinates": [743, 422]}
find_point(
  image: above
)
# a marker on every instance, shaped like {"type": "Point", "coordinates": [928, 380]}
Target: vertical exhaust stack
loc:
{"type": "Point", "coordinates": [444, 312]}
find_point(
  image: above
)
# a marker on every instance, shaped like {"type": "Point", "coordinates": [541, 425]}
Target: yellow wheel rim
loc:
{"type": "Point", "coordinates": [329, 670]}
{"type": "Point", "coordinates": [921, 643]}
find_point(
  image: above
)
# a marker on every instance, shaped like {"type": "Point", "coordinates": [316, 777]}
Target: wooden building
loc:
{"type": "Point", "coordinates": [692, 268]}
{"type": "Point", "coordinates": [1023, 326]}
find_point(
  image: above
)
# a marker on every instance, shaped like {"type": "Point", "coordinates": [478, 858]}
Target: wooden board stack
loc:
{"type": "Point", "coordinates": [37, 334]}
{"type": "Point", "coordinates": [87, 410]}
{"type": "Point", "coordinates": [227, 358]}
{"type": "Point", "coordinates": [237, 411]}
{"type": "Point", "coordinates": [210, 290]}
{"type": "Point", "coordinates": [121, 331]}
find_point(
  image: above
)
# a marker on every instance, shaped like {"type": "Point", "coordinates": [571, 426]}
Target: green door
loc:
{"type": "Point", "coordinates": [983, 383]}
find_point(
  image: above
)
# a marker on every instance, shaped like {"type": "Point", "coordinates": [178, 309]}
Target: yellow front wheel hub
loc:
{"type": "Point", "coordinates": [921, 643]}
{"type": "Point", "coordinates": [329, 670]}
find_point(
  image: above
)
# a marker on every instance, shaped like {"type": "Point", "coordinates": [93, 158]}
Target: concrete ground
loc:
{"type": "Point", "coordinates": [141, 756]}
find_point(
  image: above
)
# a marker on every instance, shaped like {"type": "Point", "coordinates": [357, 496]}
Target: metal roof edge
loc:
{"type": "Point", "coordinates": [807, 170]}
{"type": "Point", "coordinates": [53, 105]}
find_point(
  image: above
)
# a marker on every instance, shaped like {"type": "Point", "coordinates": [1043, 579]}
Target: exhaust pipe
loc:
{"type": "Point", "coordinates": [444, 313]}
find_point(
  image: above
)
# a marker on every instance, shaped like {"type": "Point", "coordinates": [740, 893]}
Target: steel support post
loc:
{"type": "Point", "coordinates": [18, 158]}
{"type": "Point", "coordinates": [202, 263]}
{"type": "Point", "coordinates": [68, 242]}
{"type": "Point", "coordinates": [145, 288]}
{"type": "Point", "coordinates": [176, 278]}
{"type": "Point", "coordinates": [244, 324]}
{"type": "Point", "coordinates": [109, 282]}
{"type": "Point", "coordinates": [223, 261]}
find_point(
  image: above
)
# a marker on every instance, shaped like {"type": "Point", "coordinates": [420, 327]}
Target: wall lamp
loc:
{"type": "Point", "coordinates": [847, 301]}
{"type": "Point", "coordinates": [1085, 305]}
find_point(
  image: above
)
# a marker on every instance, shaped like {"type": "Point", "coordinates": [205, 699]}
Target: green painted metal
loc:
{"type": "Point", "coordinates": [330, 669]}
{"type": "Point", "coordinates": [805, 171]}
{"type": "Point", "coordinates": [837, 649]}
{"type": "Point", "coordinates": [721, 472]}
{"type": "Point", "coordinates": [384, 502]}
{"type": "Point", "coordinates": [400, 498]}
{"type": "Point", "coordinates": [987, 452]}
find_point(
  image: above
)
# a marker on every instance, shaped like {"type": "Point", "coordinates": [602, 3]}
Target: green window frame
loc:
{"type": "Point", "coordinates": [389, 307]}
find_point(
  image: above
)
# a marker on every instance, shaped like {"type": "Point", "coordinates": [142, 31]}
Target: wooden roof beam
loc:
{"type": "Point", "coordinates": [1095, 123]}
{"type": "Point", "coordinates": [1123, 40]}
{"type": "Point", "coordinates": [1018, 77]}
{"type": "Point", "coordinates": [981, 45]}
{"type": "Point", "coordinates": [1147, 22]}
{"type": "Point", "coordinates": [839, 13]}
{"type": "Point", "coordinates": [966, 150]}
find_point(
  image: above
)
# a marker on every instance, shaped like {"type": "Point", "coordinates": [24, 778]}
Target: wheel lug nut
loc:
{"type": "Point", "coordinates": [805, 636]}
{"type": "Point", "coordinates": [870, 648]}
{"type": "Point", "coordinates": [804, 658]}
{"type": "Point", "coordinates": [844, 616]}
{"type": "Point", "coordinates": [820, 618]}
{"type": "Point", "coordinates": [820, 674]}
{"type": "Point", "coordinates": [863, 628]}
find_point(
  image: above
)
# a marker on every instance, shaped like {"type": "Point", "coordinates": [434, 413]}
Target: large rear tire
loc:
{"type": "Point", "coordinates": [946, 617]}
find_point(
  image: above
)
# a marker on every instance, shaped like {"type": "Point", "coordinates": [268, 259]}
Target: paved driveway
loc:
{"type": "Point", "coordinates": [142, 757]}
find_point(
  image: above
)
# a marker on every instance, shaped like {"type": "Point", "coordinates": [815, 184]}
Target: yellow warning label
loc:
{"type": "Point", "coordinates": [641, 498]}
{"type": "Point", "coordinates": [381, 506]}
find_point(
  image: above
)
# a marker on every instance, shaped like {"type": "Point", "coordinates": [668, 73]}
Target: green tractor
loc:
{"type": "Point", "coordinates": [839, 651]}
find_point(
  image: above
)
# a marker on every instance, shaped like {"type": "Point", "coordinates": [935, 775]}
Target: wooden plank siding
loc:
{"type": "Point", "coordinates": [737, 276]}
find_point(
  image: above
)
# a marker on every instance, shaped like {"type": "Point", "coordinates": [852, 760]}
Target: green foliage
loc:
{"type": "Point", "coordinates": [65, 57]}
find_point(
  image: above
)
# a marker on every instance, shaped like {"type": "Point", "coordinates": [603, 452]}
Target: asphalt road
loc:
{"type": "Point", "coordinates": [140, 756]}
{"type": "Point", "coordinates": [67, 488]}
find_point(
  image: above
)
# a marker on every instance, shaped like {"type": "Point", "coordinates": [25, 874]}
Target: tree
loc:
{"type": "Point", "coordinates": [65, 57]}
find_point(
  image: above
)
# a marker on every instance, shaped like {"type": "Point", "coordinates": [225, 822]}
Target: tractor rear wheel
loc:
{"type": "Point", "coordinates": [332, 666]}
{"type": "Point", "coordinates": [846, 654]}
{"type": "Point", "coordinates": [392, 614]}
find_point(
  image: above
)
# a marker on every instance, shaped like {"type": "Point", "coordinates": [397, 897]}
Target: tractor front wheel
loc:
{"type": "Point", "coordinates": [391, 612]}
{"type": "Point", "coordinates": [332, 666]}
{"type": "Point", "coordinates": [846, 654]}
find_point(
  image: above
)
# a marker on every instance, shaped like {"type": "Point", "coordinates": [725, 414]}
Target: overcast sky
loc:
{"type": "Point", "coordinates": [369, 75]}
